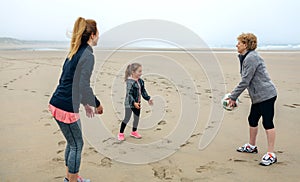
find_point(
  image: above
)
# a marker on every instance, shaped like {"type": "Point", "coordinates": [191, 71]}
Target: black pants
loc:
{"type": "Point", "coordinates": [265, 110]}
{"type": "Point", "coordinates": [136, 118]}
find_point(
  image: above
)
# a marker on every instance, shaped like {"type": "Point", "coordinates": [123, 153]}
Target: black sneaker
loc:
{"type": "Point", "coordinates": [247, 148]}
{"type": "Point", "coordinates": [268, 159]}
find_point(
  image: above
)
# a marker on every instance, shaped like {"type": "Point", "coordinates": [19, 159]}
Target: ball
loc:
{"type": "Point", "coordinates": [225, 103]}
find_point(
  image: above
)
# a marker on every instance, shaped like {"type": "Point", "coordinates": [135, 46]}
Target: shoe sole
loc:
{"type": "Point", "coordinates": [120, 140]}
{"type": "Point", "coordinates": [247, 152]}
{"type": "Point", "coordinates": [135, 137]}
{"type": "Point", "coordinates": [263, 164]}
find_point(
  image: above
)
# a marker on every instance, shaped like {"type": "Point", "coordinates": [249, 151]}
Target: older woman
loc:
{"type": "Point", "coordinates": [262, 93]}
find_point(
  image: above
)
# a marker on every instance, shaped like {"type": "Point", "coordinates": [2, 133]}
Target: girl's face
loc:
{"type": "Point", "coordinates": [137, 73]}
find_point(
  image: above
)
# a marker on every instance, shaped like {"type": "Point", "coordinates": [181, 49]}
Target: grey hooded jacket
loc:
{"type": "Point", "coordinates": [256, 79]}
{"type": "Point", "coordinates": [132, 92]}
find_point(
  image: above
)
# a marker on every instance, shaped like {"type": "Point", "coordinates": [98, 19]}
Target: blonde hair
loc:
{"type": "Point", "coordinates": [82, 31]}
{"type": "Point", "coordinates": [249, 39]}
{"type": "Point", "coordinates": [131, 68]}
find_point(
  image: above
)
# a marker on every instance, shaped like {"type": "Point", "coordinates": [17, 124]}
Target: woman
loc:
{"type": "Point", "coordinates": [262, 93]}
{"type": "Point", "coordinates": [73, 89]}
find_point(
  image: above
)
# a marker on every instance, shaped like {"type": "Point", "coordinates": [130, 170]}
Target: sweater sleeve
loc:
{"type": "Point", "coordinates": [144, 92]}
{"type": "Point", "coordinates": [249, 68]}
{"type": "Point", "coordinates": [129, 91]}
{"type": "Point", "coordinates": [86, 92]}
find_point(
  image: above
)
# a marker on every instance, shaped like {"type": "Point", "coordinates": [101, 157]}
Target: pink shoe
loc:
{"type": "Point", "coordinates": [121, 137]}
{"type": "Point", "coordinates": [135, 134]}
{"type": "Point", "coordinates": [80, 179]}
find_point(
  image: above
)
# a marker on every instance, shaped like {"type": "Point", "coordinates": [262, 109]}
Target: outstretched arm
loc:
{"type": "Point", "coordinates": [249, 68]}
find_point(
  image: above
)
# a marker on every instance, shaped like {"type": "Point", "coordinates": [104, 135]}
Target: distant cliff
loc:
{"type": "Point", "coordinates": [7, 43]}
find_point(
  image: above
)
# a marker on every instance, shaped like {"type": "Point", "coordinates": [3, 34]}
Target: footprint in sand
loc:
{"type": "Point", "coordinates": [197, 93]}
{"type": "Point", "coordinates": [59, 151]}
{"type": "Point", "coordinates": [57, 131]}
{"type": "Point", "coordinates": [290, 106]}
{"type": "Point", "coordinates": [58, 159]}
{"type": "Point", "coordinates": [47, 124]}
{"type": "Point", "coordinates": [166, 172]}
{"type": "Point", "coordinates": [207, 90]}
{"type": "Point", "coordinates": [61, 143]}
{"type": "Point", "coordinates": [209, 127]}
{"type": "Point", "coordinates": [58, 177]}
{"type": "Point", "coordinates": [206, 167]}
{"type": "Point", "coordinates": [162, 122]}
{"type": "Point", "coordinates": [168, 110]}
{"type": "Point", "coordinates": [213, 167]}
{"type": "Point", "coordinates": [185, 144]}
{"type": "Point", "coordinates": [195, 134]}
{"type": "Point", "coordinates": [92, 149]}
{"type": "Point", "coordinates": [239, 160]}
{"type": "Point", "coordinates": [186, 180]}
{"type": "Point", "coordinates": [106, 162]}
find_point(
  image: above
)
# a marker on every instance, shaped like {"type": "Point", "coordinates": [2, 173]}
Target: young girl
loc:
{"type": "Point", "coordinates": [73, 89]}
{"type": "Point", "coordinates": [135, 90]}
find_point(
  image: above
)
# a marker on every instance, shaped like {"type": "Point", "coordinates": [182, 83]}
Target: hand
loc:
{"type": "Point", "coordinates": [137, 105]}
{"type": "Point", "coordinates": [150, 102]}
{"type": "Point", "coordinates": [89, 111]}
{"type": "Point", "coordinates": [99, 110]}
{"type": "Point", "coordinates": [232, 103]}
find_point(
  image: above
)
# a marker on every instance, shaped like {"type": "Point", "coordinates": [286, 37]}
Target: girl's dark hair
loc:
{"type": "Point", "coordinates": [131, 68]}
{"type": "Point", "coordinates": [82, 31]}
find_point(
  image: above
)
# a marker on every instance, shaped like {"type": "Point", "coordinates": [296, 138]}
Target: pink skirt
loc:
{"type": "Point", "coordinates": [63, 116]}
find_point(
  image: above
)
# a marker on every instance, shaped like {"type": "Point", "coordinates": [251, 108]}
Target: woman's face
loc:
{"type": "Point", "coordinates": [137, 73]}
{"type": "Point", "coordinates": [241, 47]}
{"type": "Point", "coordinates": [95, 38]}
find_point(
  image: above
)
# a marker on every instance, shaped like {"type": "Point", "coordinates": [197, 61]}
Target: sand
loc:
{"type": "Point", "coordinates": [32, 146]}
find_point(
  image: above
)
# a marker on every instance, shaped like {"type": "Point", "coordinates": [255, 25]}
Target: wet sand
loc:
{"type": "Point", "coordinates": [33, 146]}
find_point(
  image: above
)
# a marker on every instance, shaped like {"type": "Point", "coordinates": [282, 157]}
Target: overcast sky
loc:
{"type": "Point", "coordinates": [216, 21]}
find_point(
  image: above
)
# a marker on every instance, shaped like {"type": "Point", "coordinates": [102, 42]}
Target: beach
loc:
{"type": "Point", "coordinates": [32, 146]}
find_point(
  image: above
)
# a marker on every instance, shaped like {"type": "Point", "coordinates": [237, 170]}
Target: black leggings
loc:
{"type": "Point", "coordinates": [264, 109]}
{"type": "Point", "coordinates": [136, 118]}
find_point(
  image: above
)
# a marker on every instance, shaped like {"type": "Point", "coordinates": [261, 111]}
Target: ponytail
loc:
{"type": "Point", "coordinates": [79, 28]}
{"type": "Point", "coordinates": [127, 72]}
{"type": "Point", "coordinates": [82, 31]}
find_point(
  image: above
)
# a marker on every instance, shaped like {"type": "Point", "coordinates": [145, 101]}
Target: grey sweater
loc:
{"type": "Point", "coordinates": [256, 79]}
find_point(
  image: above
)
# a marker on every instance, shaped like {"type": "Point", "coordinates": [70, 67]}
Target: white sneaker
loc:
{"type": "Point", "coordinates": [247, 148]}
{"type": "Point", "coordinates": [268, 159]}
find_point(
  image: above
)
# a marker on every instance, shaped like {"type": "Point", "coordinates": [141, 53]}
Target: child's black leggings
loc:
{"type": "Point", "coordinates": [136, 117]}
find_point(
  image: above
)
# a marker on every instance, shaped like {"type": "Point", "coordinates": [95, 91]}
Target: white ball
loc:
{"type": "Point", "coordinates": [225, 103]}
